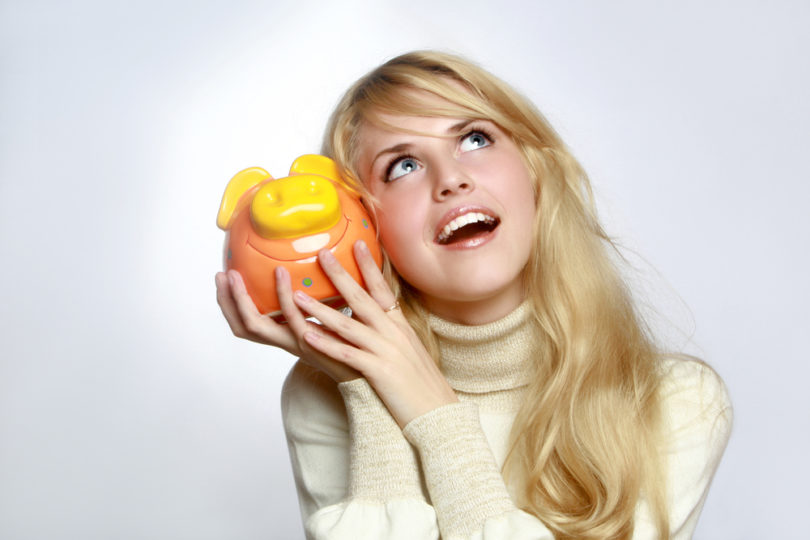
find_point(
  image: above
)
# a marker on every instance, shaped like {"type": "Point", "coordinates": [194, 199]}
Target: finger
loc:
{"type": "Point", "coordinates": [354, 332]}
{"type": "Point", "coordinates": [363, 306]}
{"type": "Point", "coordinates": [259, 328]}
{"type": "Point", "coordinates": [295, 319]}
{"type": "Point", "coordinates": [342, 353]}
{"type": "Point", "coordinates": [228, 306]}
{"type": "Point", "coordinates": [300, 327]}
{"type": "Point", "coordinates": [375, 282]}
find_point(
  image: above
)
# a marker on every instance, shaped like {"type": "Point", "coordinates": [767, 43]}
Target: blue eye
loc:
{"type": "Point", "coordinates": [401, 167]}
{"type": "Point", "coordinates": [474, 140]}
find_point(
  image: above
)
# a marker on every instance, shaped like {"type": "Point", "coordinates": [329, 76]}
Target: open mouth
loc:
{"type": "Point", "coordinates": [467, 227]}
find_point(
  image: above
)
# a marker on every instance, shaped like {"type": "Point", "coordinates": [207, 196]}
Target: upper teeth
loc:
{"type": "Point", "coordinates": [460, 221]}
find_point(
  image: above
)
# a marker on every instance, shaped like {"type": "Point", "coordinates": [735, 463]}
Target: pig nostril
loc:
{"type": "Point", "coordinates": [295, 206]}
{"type": "Point", "coordinates": [272, 198]}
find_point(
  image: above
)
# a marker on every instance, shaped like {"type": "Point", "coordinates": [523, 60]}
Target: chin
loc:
{"type": "Point", "coordinates": [482, 292]}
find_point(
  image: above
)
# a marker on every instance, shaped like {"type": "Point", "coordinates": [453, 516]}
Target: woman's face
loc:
{"type": "Point", "coordinates": [456, 211]}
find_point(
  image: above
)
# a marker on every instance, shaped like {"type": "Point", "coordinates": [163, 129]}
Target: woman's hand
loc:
{"type": "Point", "coordinates": [246, 322]}
{"type": "Point", "coordinates": [379, 343]}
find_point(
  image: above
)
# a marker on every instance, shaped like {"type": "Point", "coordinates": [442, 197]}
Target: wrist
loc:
{"type": "Point", "coordinates": [426, 405]}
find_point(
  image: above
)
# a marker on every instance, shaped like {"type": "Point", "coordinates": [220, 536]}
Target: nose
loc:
{"type": "Point", "coordinates": [451, 180]}
{"type": "Point", "coordinates": [298, 205]}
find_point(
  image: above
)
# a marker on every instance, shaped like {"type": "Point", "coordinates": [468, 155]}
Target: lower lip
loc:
{"type": "Point", "coordinates": [474, 242]}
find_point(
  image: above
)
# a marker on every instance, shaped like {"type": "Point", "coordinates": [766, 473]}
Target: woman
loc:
{"type": "Point", "coordinates": [496, 382]}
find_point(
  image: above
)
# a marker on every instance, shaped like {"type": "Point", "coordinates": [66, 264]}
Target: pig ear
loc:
{"type": "Point", "coordinates": [315, 164]}
{"type": "Point", "coordinates": [240, 184]}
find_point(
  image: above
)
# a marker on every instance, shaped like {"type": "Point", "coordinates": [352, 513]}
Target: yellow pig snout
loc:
{"type": "Point", "coordinates": [298, 205]}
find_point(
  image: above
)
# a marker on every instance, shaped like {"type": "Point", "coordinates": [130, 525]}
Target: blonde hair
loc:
{"type": "Point", "coordinates": [585, 442]}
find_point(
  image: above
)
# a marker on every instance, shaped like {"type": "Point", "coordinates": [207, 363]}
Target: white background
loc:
{"type": "Point", "coordinates": [128, 410]}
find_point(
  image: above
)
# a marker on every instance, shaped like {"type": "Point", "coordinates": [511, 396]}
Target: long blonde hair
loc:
{"type": "Point", "coordinates": [585, 442]}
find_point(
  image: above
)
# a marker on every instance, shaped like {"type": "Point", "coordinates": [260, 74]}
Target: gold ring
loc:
{"type": "Point", "coordinates": [392, 307]}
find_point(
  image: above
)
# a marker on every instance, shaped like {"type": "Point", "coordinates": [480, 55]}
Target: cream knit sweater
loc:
{"type": "Point", "coordinates": [359, 476]}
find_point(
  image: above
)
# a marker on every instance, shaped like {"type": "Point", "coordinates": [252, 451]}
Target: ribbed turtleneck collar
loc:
{"type": "Point", "coordinates": [488, 357]}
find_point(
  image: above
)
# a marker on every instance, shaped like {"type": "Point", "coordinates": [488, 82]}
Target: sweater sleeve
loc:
{"type": "Point", "coordinates": [358, 477]}
{"type": "Point", "coordinates": [464, 480]}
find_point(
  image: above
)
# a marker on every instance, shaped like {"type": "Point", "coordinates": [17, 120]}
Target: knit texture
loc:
{"type": "Point", "coordinates": [462, 477]}
{"type": "Point", "coordinates": [383, 466]}
{"type": "Point", "coordinates": [489, 364]}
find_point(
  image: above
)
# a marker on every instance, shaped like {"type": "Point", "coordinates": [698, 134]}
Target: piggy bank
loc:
{"type": "Point", "coordinates": [287, 221]}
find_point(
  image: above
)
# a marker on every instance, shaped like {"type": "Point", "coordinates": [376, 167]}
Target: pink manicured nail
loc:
{"type": "Point", "coordinates": [311, 337]}
{"type": "Point", "coordinates": [281, 275]}
{"type": "Point", "coordinates": [303, 297]}
{"type": "Point", "coordinates": [326, 256]}
{"type": "Point", "coordinates": [361, 245]}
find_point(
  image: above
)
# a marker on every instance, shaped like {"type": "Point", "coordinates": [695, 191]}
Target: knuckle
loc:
{"type": "Point", "coordinates": [346, 354]}
{"type": "Point", "coordinates": [356, 296]}
{"type": "Point", "coordinates": [252, 325]}
{"type": "Point", "coordinates": [343, 325]}
{"type": "Point", "coordinates": [238, 332]}
{"type": "Point", "coordinates": [384, 371]}
{"type": "Point", "coordinates": [407, 331]}
{"type": "Point", "coordinates": [378, 288]}
{"type": "Point", "coordinates": [301, 343]}
{"type": "Point", "coordinates": [304, 349]}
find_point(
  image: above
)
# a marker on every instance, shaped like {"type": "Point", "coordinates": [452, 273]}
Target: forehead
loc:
{"type": "Point", "coordinates": [388, 126]}
{"type": "Point", "coordinates": [392, 132]}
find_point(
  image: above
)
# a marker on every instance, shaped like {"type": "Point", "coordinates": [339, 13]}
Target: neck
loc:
{"type": "Point", "coordinates": [496, 356]}
{"type": "Point", "coordinates": [478, 311]}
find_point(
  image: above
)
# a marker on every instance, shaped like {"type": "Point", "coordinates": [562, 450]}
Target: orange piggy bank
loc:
{"type": "Point", "coordinates": [287, 221]}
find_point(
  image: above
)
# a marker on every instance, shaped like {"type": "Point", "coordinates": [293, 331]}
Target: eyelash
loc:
{"type": "Point", "coordinates": [392, 163]}
{"type": "Point", "coordinates": [477, 129]}
{"type": "Point", "coordinates": [470, 130]}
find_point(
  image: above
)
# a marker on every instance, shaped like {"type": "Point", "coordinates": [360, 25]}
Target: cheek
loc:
{"type": "Point", "coordinates": [402, 235]}
{"type": "Point", "coordinates": [398, 231]}
{"type": "Point", "coordinates": [519, 198]}
{"type": "Point", "coordinates": [396, 224]}
{"type": "Point", "coordinates": [522, 187]}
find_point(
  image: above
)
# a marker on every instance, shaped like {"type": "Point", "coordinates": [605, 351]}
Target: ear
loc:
{"type": "Point", "coordinates": [315, 164]}
{"type": "Point", "coordinates": [240, 184]}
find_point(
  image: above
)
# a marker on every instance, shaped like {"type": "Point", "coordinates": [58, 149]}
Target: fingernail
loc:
{"type": "Point", "coordinates": [231, 279]}
{"type": "Point", "coordinates": [327, 256]}
{"type": "Point", "coordinates": [361, 245]}
{"type": "Point", "coordinates": [281, 275]}
{"type": "Point", "coordinates": [303, 297]}
{"type": "Point", "coordinates": [311, 337]}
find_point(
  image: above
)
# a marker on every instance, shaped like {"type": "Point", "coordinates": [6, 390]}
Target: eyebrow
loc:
{"type": "Point", "coordinates": [402, 147]}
